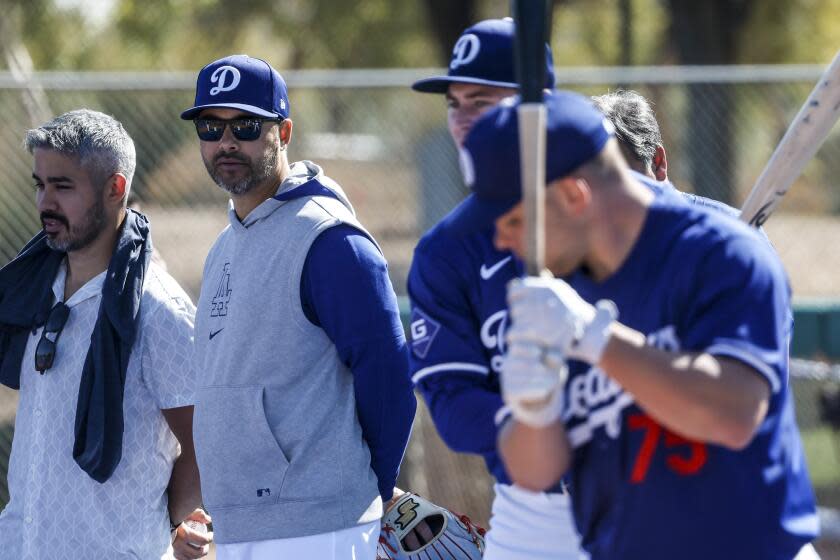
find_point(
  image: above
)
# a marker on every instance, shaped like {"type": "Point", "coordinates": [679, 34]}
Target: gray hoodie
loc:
{"type": "Point", "coordinates": [277, 438]}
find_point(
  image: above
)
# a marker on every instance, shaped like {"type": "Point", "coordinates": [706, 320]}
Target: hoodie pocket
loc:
{"type": "Point", "coordinates": [240, 460]}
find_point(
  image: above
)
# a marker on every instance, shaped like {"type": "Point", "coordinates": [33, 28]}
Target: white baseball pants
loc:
{"type": "Point", "coordinates": [355, 543]}
{"type": "Point", "coordinates": [531, 526]}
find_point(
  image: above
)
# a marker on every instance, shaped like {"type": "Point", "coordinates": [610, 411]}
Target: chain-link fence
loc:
{"type": "Point", "coordinates": [389, 148]}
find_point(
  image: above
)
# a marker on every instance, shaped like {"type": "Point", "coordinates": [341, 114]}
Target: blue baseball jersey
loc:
{"type": "Point", "coordinates": [457, 286]}
{"type": "Point", "coordinates": [695, 281]}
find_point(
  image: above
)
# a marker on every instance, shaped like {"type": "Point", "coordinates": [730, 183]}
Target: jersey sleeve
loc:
{"type": "Point", "coordinates": [448, 362]}
{"type": "Point", "coordinates": [169, 370]}
{"type": "Point", "coordinates": [740, 308]}
{"type": "Point", "coordinates": [345, 290]}
{"type": "Point", "coordinates": [444, 332]}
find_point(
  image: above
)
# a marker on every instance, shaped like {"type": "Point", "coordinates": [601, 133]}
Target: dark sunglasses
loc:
{"type": "Point", "coordinates": [45, 351]}
{"type": "Point", "coordinates": [247, 129]}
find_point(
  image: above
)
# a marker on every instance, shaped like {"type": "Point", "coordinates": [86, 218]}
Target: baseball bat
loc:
{"type": "Point", "coordinates": [803, 138]}
{"type": "Point", "coordinates": [531, 18]}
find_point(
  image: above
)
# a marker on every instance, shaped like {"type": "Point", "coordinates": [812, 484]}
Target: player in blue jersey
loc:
{"type": "Point", "coordinates": [457, 289]}
{"type": "Point", "coordinates": [654, 374]}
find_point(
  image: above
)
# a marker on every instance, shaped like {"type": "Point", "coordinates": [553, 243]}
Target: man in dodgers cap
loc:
{"type": "Point", "coordinates": [304, 404]}
{"type": "Point", "coordinates": [457, 290]}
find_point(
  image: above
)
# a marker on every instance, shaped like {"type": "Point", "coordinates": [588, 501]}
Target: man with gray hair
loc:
{"type": "Point", "coordinates": [636, 130]}
{"type": "Point", "coordinates": [640, 141]}
{"type": "Point", "coordinates": [98, 340]}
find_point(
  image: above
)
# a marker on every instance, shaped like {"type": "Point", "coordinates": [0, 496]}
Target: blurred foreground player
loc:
{"type": "Point", "coordinates": [457, 290]}
{"type": "Point", "coordinates": [654, 373]}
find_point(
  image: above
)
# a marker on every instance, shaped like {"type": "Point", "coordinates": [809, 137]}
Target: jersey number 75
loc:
{"type": "Point", "coordinates": [683, 456]}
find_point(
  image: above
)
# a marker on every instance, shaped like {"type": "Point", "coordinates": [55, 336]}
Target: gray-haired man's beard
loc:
{"type": "Point", "coordinates": [261, 170]}
{"type": "Point", "coordinates": [79, 236]}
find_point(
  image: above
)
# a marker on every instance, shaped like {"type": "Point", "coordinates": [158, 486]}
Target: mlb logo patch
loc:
{"type": "Point", "coordinates": [422, 332]}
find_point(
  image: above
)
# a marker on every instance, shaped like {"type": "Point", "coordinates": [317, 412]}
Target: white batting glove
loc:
{"type": "Point", "coordinates": [550, 313]}
{"type": "Point", "coordinates": [532, 384]}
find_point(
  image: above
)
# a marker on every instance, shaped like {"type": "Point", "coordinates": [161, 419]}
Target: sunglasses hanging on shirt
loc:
{"type": "Point", "coordinates": [45, 351]}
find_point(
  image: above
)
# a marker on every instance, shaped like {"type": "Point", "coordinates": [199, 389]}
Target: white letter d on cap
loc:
{"type": "Point", "coordinates": [220, 75]}
{"type": "Point", "coordinates": [465, 50]}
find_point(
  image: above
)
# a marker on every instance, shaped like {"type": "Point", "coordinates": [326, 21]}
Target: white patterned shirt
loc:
{"type": "Point", "coordinates": [56, 511]}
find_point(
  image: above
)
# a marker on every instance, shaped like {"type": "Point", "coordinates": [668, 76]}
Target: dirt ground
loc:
{"type": "Point", "coordinates": [810, 250]}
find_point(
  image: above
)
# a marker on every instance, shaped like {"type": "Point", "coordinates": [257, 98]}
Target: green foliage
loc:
{"type": "Point", "coordinates": [185, 34]}
{"type": "Point", "coordinates": [53, 37]}
{"type": "Point", "coordinates": [587, 33]}
{"type": "Point", "coordinates": [822, 448]}
{"type": "Point", "coordinates": [803, 31]}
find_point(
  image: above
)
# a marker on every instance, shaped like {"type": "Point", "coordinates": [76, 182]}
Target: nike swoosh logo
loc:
{"type": "Point", "coordinates": [487, 273]}
{"type": "Point", "coordinates": [212, 334]}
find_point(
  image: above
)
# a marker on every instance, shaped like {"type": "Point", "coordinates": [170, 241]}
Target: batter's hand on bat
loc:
{"type": "Point", "coordinates": [548, 312]}
{"type": "Point", "coordinates": [191, 542]}
{"type": "Point", "coordinates": [532, 383]}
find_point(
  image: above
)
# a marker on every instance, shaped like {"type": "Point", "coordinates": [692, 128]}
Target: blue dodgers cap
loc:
{"type": "Point", "coordinates": [575, 133]}
{"type": "Point", "coordinates": [483, 55]}
{"type": "Point", "coordinates": [240, 82]}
